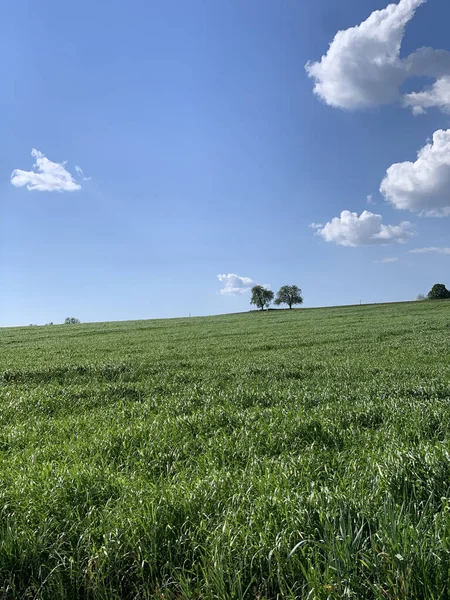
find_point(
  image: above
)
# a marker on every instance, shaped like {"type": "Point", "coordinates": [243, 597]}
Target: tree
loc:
{"type": "Point", "coordinates": [290, 295]}
{"type": "Point", "coordinates": [71, 321]}
{"type": "Point", "coordinates": [421, 297]}
{"type": "Point", "coordinates": [438, 292]}
{"type": "Point", "coordinates": [261, 296]}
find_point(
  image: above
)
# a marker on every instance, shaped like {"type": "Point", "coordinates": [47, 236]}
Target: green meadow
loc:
{"type": "Point", "coordinates": [284, 454]}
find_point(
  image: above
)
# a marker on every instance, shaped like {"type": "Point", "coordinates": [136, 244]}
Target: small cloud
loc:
{"type": "Point", "coordinates": [79, 170]}
{"type": "Point", "coordinates": [315, 225]}
{"type": "Point", "coordinates": [370, 199]}
{"type": "Point", "coordinates": [437, 96]}
{"type": "Point", "coordinates": [47, 176]}
{"type": "Point", "coordinates": [235, 284]}
{"type": "Point", "coordinates": [434, 249]}
{"type": "Point", "coordinates": [349, 229]}
{"type": "Point", "coordinates": [384, 261]}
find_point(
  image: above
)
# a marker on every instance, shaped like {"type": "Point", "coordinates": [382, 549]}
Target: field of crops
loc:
{"type": "Point", "coordinates": [284, 454]}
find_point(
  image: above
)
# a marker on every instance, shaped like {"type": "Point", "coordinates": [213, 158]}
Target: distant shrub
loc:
{"type": "Point", "coordinates": [72, 321]}
{"type": "Point", "coordinates": [421, 297]}
{"type": "Point", "coordinates": [438, 292]}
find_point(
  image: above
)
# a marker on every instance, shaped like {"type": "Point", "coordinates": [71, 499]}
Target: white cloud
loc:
{"type": "Point", "coordinates": [362, 66]}
{"type": "Point", "coordinates": [79, 170]}
{"type": "Point", "coordinates": [352, 230]}
{"type": "Point", "coordinates": [235, 284]}
{"type": "Point", "coordinates": [370, 199]}
{"type": "Point", "coordinates": [315, 225]}
{"type": "Point", "coordinates": [387, 260]}
{"type": "Point", "coordinates": [438, 96]}
{"type": "Point", "coordinates": [430, 249]}
{"type": "Point", "coordinates": [423, 185]}
{"type": "Point", "coordinates": [47, 176]}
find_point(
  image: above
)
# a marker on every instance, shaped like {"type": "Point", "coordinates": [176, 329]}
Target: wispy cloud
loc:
{"type": "Point", "coordinates": [431, 249]}
{"type": "Point", "coordinates": [79, 170]}
{"type": "Point", "coordinates": [387, 260]}
{"type": "Point", "coordinates": [46, 176]}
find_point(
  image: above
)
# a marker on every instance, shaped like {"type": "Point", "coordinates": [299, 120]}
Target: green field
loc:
{"type": "Point", "coordinates": [284, 454]}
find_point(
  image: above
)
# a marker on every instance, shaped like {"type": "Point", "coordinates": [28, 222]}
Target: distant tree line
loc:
{"type": "Point", "coordinates": [287, 294]}
{"type": "Point", "coordinates": [68, 321]}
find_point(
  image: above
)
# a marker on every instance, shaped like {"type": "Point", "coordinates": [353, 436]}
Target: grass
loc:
{"type": "Point", "coordinates": [290, 454]}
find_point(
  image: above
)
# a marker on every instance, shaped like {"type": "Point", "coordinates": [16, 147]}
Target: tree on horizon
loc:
{"type": "Point", "coordinates": [438, 292]}
{"type": "Point", "coordinates": [290, 295]}
{"type": "Point", "coordinates": [261, 296]}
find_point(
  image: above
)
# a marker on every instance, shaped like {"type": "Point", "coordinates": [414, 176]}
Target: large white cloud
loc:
{"type": "Point", "coordinates": [362, 66]}
{"type": "Point", "coordinates": [367, 229]}
{"type": "Point", "coordinates": [424, 185]}
{"type": "Point", "coordinates": [235, 284]}
{"type": "Point", "coordinates": [46, 176]}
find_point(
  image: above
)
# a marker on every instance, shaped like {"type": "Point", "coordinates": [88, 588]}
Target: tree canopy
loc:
{"type": "Point", "coordinates": [261, 296]}
{"type": "Point", "coordinates": [290, 295]}
{"type": "Point", "coordinates": [71, 321]}
{"type": "Point", "coordinates": [438, 292]}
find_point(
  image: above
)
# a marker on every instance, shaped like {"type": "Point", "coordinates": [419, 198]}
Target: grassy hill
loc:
{"type": "Point", "coordinates": [290, 454]}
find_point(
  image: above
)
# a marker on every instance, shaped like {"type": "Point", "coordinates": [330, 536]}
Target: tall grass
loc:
{"type": "Point", "coordinates": [291, 454]}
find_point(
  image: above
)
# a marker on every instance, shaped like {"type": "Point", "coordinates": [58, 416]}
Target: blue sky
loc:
{"type": "Point", "coordinates": [207, 149]}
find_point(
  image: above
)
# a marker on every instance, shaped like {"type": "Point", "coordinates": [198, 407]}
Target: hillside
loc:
{"type": "Point", "coordinates": [291, 454]}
